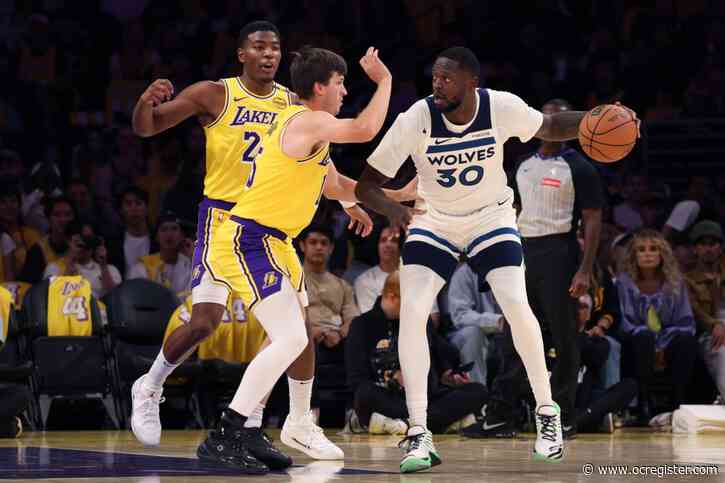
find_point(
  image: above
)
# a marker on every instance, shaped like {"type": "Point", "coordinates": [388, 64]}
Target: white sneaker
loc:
{"type": "Point", "coordinates": [145, 422]}
{"type": "Point", "coordinates": [380, 424]}
{"type": "Point", "coordinates": [304, 435]}
{"type": "Point", "coordinates": [549, 444]}
{"type": "Point", "coordinates": [420, 453]}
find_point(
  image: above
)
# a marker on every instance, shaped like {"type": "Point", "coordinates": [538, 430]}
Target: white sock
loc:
{"type": "Point", "coordinates": [509, 289]}
{"type": "Point", "coordinates": [300, 394]}
{"type": "Point", "coordinates": [418, 288]}
{"type": "Point", "coordinates": [281, 316]}
{"type": "Point", "coordinates": [254, 420]}
{"type": "Point", "coordinates": [160, 370]}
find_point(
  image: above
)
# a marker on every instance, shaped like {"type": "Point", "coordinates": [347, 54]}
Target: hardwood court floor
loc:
{"type": "Point", "coordinates": [116, 456]}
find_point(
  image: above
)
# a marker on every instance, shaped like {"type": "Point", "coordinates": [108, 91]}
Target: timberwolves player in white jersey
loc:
{"type": "Point", "coordinates": [455, 138]}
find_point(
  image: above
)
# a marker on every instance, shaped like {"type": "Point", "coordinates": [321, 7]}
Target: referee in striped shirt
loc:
{"type": "Point", "coordinates": [555, 187]}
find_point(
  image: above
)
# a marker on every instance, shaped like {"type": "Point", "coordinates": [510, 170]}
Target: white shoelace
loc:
{"type": "Point", "coordinates": [149, 408]}
{"type": "Point", "coordinates": [317, 435]}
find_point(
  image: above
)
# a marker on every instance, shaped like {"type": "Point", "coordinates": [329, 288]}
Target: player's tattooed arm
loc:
{"type": "Point", "coordinates": [158, 110]}
{"type": "Point", "coordinates": [561, 126]}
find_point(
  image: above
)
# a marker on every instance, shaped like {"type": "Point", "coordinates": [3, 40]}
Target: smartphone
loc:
{"type": "Point", "coordinates": [462, 369]}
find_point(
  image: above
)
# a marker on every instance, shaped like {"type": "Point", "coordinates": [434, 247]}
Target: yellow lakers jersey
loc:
{"type": "Point", "coordinates": [18, 291]}
{"type": "Point", "coordinates": [69, 306]}
{"type": "Point", "coordinates": [233, 138]}
{"type": "Point", "coordinates": [283, 192]}
{"type": "Point", "coordinates": [237, 339]}
{"type": "Point", "coordinates": [6, 304]}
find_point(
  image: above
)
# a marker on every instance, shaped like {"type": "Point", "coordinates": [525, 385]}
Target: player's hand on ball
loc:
{"type": "Point", "coordinates": [374, 67]}
{"type": "Point", "coordinates": [360, 222]}
{"type": "Point", "coordinates": [634, 116]}
{"type": "Point", "coordinates": [159, 91]}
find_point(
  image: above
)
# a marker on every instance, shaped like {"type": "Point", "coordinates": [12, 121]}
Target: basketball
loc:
{"type": "Point", "coordinates": [608, 133]}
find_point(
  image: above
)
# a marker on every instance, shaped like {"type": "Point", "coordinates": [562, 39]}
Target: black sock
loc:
{"type": "Point", "coordinates": [232, 418]}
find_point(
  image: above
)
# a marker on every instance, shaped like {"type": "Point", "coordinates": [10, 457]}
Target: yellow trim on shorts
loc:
{"type": "Point", "coordinates": [270, 256]}
{"type": "Point", "coordinates": [207, 266]}
{"type": "Point", "coordinates": [245, 268]}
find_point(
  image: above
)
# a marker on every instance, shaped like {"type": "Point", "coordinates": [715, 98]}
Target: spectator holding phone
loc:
{"type": "Point", "coordinates": [374, 376]}
{"type": "Point", "coordinates": [87, 256]}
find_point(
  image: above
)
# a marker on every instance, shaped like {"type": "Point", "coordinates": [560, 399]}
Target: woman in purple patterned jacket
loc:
{"type": "Point", "coordinates": [657, 325]}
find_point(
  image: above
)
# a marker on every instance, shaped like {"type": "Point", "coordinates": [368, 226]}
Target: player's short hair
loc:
{"type": "Point", "coordinates": [256, 26]}
{"type": "Point", "coordinates": [465, 57]}
{"type": "Point", "coordinates": [312, 64]}
{"type": "Point", "coordinates": [318, 228]}
{"type": "Point", "coordinates": [558, 102]}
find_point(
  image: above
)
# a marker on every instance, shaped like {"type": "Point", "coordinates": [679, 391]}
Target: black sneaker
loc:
{"type": "Point", "coordinates": [223, 449]}
{"type": "Point", "coordinates": [260, 446]}
{"type": "Point", "coordinates": [495, 424]}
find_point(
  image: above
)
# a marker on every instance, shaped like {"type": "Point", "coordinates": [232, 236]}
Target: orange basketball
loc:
{"type": "Point", "coordinates": [608, 133]}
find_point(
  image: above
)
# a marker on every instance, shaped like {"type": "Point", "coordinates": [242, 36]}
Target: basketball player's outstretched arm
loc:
{"type": "Point", "coordinates": [340, 187]}
{"type": "Point", "coordinates": [316, 127]}
{"type": "Point", "coordinates": [563, 126]}
{"type": "Point", "coordinates": [157, 110]}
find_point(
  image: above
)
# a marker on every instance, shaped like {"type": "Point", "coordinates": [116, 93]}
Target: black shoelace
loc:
{"type": "Point", "coordinates": [548, 427]}
{"type": "Point", "coordinates": [411, 443]}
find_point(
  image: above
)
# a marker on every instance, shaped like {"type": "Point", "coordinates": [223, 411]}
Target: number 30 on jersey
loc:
{"type": "Point", "coordinates": [468, 176]}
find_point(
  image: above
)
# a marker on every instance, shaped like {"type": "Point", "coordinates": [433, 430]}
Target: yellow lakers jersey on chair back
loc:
{"type": "Point", "coordinates": [69, 307]}
{"type": "Point", "coordinates": [283, 192]}
{"type": "Point", "coordinates": [237, 339]}
{"type": "Point", "coordinates": [234, 137]}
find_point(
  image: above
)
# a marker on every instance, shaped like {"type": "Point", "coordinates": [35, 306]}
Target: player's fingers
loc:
{"type": "Point", "coordinates": [168, 84]}
{"type": "Point", "coordinates": [417, 211]}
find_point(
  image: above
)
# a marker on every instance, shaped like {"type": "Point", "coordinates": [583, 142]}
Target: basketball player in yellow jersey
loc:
{"type": "Point", "coordinates": [252, 254]}
{"type": "Point", "coordinates": [235, 113]}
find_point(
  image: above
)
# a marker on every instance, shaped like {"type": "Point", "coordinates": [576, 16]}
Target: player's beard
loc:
{"type": "Point", "coordinates": [452, 106]}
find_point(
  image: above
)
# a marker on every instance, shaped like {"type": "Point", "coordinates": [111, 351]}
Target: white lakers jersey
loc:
{"type": "Point", "coordinates": [460, 168]}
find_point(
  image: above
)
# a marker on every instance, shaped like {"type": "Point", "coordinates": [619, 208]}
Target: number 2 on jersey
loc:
{"type": "Point", "coordinates": [250, 153]}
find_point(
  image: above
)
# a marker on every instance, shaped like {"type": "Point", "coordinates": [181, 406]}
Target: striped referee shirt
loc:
{"type": "Point", "coordinates": [553, 190]}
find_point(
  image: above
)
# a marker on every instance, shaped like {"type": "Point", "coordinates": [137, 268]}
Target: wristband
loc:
{"type": "Point", "coordinates": [347, 204]}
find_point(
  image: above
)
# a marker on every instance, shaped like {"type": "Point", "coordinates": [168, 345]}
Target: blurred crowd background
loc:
{"type": "Point", "coordinates": [73, 71]}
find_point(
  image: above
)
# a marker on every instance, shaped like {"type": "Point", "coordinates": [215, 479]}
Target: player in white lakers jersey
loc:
{"type": "Point", "coordinates": [456, 138]}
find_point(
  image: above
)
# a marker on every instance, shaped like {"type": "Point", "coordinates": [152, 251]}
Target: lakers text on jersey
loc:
{"type": "Point", "coordinates": [233, 140]}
